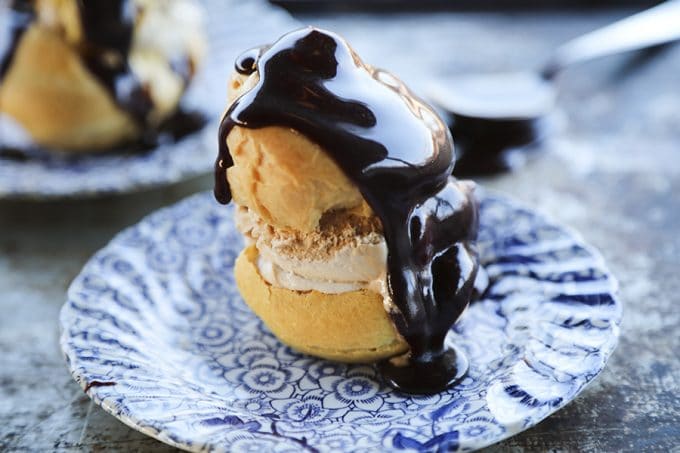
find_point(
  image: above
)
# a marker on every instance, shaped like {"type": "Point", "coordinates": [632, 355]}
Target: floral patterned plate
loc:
{"type": "Point", "coordinates": [229, 32]}
{"type": "Point", "coordinates": [156, 333]}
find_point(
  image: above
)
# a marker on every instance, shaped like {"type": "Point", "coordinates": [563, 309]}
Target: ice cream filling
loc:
{"type": "Point", "coordinates": [281, 278]}
{"type": "Point", "coordinates": [354, 258]}
{"type": "Point", "coordinates": [358, 263]}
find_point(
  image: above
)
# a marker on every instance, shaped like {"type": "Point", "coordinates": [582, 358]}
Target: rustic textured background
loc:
{"type": "Point", "coordinates": [613, 172]}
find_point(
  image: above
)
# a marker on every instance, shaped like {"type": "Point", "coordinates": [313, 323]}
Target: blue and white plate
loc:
{"type": "Point", "coordinates": [156, 333]}
{"type": "Point", "coordinates": [230, 30]}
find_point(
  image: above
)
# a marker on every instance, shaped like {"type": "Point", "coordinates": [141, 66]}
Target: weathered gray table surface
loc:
{"type": "Point", "coordinates": [613, 173]}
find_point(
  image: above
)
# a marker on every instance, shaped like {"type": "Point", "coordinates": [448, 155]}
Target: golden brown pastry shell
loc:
{"type": "Point", "coordinates": [287, 179]}
{"type": "Point", "coordinates": [348, 327]}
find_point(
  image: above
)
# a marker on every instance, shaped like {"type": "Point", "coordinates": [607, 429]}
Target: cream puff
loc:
{"type": "Point", "coordinates": [81, 76]}
{"type": "Point", "coordinates": [360, 243]}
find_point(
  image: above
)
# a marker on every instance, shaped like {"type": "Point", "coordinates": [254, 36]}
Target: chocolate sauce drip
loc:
{"type": "Point", "coordinates": [108, 24]}
{"type": "Point", "coordinates": [92, 384]}
{"type": "Point", "coordinates": [245, 64]}
{"type": "Point", "coordinates": [20, 17]}
{"type": "Point", "coordinates": [108, 27]}
{"type": "Point", "coordinates": [400, 156]}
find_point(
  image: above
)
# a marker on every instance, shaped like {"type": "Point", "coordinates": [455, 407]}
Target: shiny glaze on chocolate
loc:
{"type": "Point", "coordinates": [20, 17]}
{"type": "Point", "coordinates": [245, 64]}
{"type": "Point", "coordinates": [400, 155]}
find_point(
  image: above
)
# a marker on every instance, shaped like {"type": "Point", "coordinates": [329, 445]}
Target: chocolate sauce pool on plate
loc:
{"type": "Point", "coordinates": [400, 155]}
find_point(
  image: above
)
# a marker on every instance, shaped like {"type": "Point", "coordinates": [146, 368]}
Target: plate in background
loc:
{"type": "Point", "coordinates": [155, 331]}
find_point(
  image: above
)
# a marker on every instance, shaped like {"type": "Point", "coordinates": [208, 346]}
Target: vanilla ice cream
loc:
{"type": "Point", "coordinates": [341, 256]}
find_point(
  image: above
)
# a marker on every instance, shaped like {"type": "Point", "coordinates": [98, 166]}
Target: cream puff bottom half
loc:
{"type": "Point", "coordinates": [347, 327]}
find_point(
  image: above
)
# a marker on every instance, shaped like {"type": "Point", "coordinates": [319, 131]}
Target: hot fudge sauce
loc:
{"type": "Point", "coordinates": [400, 155]}
{"type": "Point", "coordinates": [108, 27]}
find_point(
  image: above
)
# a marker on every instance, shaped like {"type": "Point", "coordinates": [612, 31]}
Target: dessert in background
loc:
{"type": "Point", "coordinates": [360, 242]}
{"type": "Point", "coordinates": [91, 75]}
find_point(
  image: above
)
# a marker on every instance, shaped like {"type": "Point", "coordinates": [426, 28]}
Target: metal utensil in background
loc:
{"type": "Point", "coordinates": [494, 118]}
